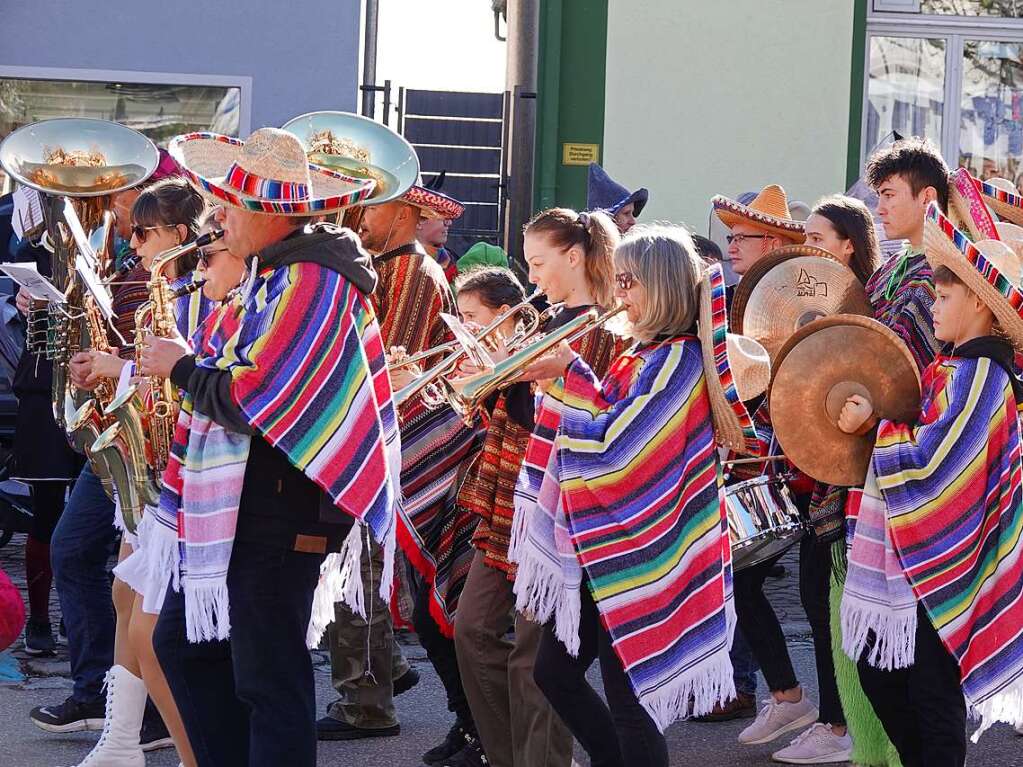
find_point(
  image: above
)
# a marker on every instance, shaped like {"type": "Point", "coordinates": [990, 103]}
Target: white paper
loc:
{"type": "Point", "coordinates": [81, 238]}
{"type": "Point", "coordinates": [95, 286]}
{"type": "Point", "coordinates": [28, 276]}
{"type": "Point", "coordinates": [28, 211]}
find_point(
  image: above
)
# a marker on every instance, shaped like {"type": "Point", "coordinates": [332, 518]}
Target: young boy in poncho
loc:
{"type": "Point", "coordinates": [932, 608]}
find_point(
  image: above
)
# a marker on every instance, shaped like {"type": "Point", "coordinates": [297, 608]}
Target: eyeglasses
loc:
{"type": "Point", "coordinates": [205, 254]}
{"type": "Point", "coordinates": [140, 232]}
{"type": "Point", "coordinates": [625, 280]}
{"type": "Point", "coordinates": [739, 239]}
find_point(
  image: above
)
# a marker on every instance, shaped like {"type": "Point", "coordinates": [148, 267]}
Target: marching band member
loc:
{"type": "Point", "coordinates": [933, 603]}
{"type": "Point", "coordinates": [605, 194]}
{"type": "Point", "coordinates": [569, 256]}
{"type": "Point", "coordinates": [625, 554]}
{"type": "Point", "coordinates": [262, 495]}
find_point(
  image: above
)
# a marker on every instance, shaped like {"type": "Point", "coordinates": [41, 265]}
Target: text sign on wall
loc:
{"type": "Point", "coordinates": [579, 154]}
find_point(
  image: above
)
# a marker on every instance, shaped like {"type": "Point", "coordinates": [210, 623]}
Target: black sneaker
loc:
{"type": "Point", "coordinates": [406, 682]}
{"type": "Point", "coordinates": [456, 740]}
{"type": "Point", "coordinates": [153, 735]}
{"type": "Point", "coordinates": [329, 728]}
{"type": "Point", "coordinates": [39, 638]}
{"type": "Point", "coordinates": [470, 756]}
{"type": "Point", "coordinates": [70, 716]}
{"type": "Point", "coordinates": [62, 633]}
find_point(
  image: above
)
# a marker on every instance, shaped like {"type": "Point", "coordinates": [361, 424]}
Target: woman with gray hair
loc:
{"type": "Point", "coordinates": [619, 534]}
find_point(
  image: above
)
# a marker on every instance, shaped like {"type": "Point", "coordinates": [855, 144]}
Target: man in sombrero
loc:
{"type": "Point", "coordinates": [940, 633]}
{"type": "Point", "coordinates": [285, 457]}
{"type": "Point", "coordinates": [434, 533]}
{"type": "Point", "coordinates": [765, 224]}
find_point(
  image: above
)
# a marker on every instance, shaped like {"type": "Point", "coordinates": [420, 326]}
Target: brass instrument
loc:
{"type": "Point", "coordinates": [144, 427]}
{"type": "Point", "coordinates": [466, 395]}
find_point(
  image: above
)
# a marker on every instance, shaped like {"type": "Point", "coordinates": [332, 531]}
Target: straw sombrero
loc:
{"type": "Point", "coordinates": [769, 212]}
{"type": "Point", "coordinates": [1002, 196]}
{"type": "Point", "coordinates": [434, 204]}
{"type": "Point", "coordinates": [990, 268]}
{"type": "Point", "coordinates": [268, 173]}
{"type": "Point", "coordinates": [967, 208]}
{"type": "Point", "coordinates": [737, 368]}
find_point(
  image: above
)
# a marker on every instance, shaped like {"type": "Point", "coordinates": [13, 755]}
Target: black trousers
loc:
{"type": "Point", "coordinates": [249, 700]}
{"type": "Point", "coordinates": [441, 652]}
{"type": "Point", "coordinates": [921, 707]}
{"type": "Point", "coordinates": [625, 735]}
{"type": "Point", "coordinates": [763, 632]}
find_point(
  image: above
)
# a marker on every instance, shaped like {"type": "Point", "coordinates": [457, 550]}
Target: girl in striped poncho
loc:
{"type": "Point", "coordinates": [625, 551]}
{"type": "Point", "coordinates": [933, 601]}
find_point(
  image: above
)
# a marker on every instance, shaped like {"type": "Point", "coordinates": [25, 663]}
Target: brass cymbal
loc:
{"type": "Point", "coordinates": [815, 372]}
{"type": "Point", "coordinates": [790, 287]}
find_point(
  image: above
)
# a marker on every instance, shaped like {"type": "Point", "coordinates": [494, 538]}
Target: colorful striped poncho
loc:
{"type": "Point", "coordinates": [902, 294]}
{"type": "Point", "coordinates": [308, 373]}
{"type": "Point", "coordinates": [489, 487]}
{"type": "Point", "coordinates": [952, 490]}
{"type": "Point", "coordinates": [434, 533]}
{"type": "Point", "coordinates": [632, 498]}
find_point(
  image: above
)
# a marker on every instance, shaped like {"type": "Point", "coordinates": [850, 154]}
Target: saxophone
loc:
{"type": "Point", "coordinates": [144, 427]}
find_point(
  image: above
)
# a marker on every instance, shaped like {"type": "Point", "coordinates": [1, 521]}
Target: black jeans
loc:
{"type": "Point", "coordinates": [921, 707]}
{"type": "Point", "coordinates": [249, 700]}
{"type": "Point", "coordinates": [759, 624]}
{"type": "Point", "coordinates": [441, 652]}
{"type": "Point", "coordinates": [625, 735]}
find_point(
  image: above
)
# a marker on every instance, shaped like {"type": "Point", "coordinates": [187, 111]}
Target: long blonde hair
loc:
{"type": "Point", "coordinates": [665, 262]}
{"type": "Point", "coordinates": [598, 236]}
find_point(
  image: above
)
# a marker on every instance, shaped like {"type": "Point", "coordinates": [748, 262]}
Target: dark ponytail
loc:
{"type": "Point", "coordinates": [493, 285]}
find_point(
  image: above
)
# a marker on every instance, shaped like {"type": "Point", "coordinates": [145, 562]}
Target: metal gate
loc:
{"type": "Point", "coordinates": [462, 134]}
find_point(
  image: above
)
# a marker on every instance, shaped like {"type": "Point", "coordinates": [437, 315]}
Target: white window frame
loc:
{"type": "Point", "coordinates": [955, 30]}
{"type": "Point", "coordinates": [242, 82]}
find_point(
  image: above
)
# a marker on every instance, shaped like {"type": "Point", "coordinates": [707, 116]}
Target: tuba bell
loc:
{"type": "Point", "coordinates": [357, 146]}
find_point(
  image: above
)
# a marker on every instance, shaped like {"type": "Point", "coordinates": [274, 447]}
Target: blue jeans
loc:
{"type": "Point", "coordinates": [744, 665]}
{"type": "Point", "coordinates": [82, 544]}
{"type": "Point", "coordinates": [249, 701]}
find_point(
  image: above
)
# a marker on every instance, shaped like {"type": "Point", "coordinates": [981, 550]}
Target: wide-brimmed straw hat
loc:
{"type": "Point", "coordinates": [737, 368]}
{"type": "Point", "coordinates": [267, 173]}
{"type": "Point", "coordinates": [769, 212]}
{"type": "Point", "coordinates": [434, 204]}
{"type": "Point", "coordinates": [967, 208]}
{"type": "Point", "coordinates": [990, 268]}
{"type": "Point", "coordinates": [1002, 196]}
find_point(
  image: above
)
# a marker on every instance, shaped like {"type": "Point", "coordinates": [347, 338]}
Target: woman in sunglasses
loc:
{"type": "Point", "coordinates": [165, 215]}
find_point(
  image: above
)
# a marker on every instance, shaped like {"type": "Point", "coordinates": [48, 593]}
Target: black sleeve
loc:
{"type": "Point", "coordinates": [211, 394]}
{"type": "Point", "coordinates": [521, 405]}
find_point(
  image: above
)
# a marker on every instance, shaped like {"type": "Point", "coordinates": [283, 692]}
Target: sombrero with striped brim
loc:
{"type": "Point", "coordinates": [967, 207]}
{"type": "Point", "coordinates": [267, 173]}
{"type": "Point", "coordinates": [1002, 196]}
{"type": "Point", "coordinates": [434, 204]}
{"type": "Point", "coordinates": [736, 367]}
{"type": "Point", "coordinates": [990, 268]}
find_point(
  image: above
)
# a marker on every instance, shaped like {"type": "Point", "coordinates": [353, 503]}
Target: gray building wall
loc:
{"type": "Point", "coordinates": [301, 57]}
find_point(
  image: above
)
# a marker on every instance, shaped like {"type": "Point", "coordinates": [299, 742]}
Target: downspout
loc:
{"type": "Point", "coordinates": [550, 100]}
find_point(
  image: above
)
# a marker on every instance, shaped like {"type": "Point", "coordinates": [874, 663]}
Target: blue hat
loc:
{"type": "Point", "coordinates": [604, 193]}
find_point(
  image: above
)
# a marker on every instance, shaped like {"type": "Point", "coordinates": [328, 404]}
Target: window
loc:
{"type": "Point", "coordinates": [953, 77]}
{"type": "Point", "coordinates": [159, 110]}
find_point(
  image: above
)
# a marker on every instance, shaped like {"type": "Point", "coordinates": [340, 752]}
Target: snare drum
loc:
{"type": "Point", "coordinates": [763, 520]}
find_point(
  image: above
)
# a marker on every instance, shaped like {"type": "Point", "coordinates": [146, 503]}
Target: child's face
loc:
{"type": "Point", "coordinates": [957, 312]}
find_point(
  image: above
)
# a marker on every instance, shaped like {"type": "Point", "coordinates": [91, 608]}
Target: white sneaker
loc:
{"type": "Point", "coordinates": [818, 745]}
{"type": "Point", "coordinates": [775, 719]}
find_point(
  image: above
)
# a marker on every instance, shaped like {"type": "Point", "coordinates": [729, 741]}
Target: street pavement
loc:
{"type": "Point", "coordinates": [424, 718]}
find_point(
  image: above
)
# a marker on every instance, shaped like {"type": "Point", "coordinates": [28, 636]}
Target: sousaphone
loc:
{"type": "Point", "coordinates": [790, 287]}
{"type": "Point", "coordinates": [816, 371]}
{"type": "Point", "coordinates": [360, 147]}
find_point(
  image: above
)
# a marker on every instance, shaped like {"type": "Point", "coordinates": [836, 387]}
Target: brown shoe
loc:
{"type": "Point", "coordinates": [742, 706]}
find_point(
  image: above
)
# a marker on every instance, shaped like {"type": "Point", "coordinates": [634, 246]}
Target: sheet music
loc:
{"type": "Point", "coordinates": [28, 276]}
{"type": "Point", "coordinates": [95, 286]}
{"type": "Point", "coordinates": [28, 211]}
{"type": "Point", "coordinates": [81, 238]}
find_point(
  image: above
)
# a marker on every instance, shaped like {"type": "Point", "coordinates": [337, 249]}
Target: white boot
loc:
{"type": "Point", "coordinates": [118, 745]}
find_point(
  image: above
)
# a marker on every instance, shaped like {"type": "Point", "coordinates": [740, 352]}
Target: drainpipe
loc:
{"type": "Point", "coordinates": [369, 59]}
{"type": "Point", "coordinates": [549, 106]}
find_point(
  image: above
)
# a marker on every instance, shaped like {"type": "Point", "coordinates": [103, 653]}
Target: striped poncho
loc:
{"type": "Point", "coordinates": [952, 490]}
{"type": "Point", "coordinates": [902, 294]}
{"type": "Point", "coordinates": [308, 373]}
{"type": "Point", "coordinates": [631, 507]}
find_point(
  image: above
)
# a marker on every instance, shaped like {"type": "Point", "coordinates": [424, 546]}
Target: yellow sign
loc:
{"type": "Point", "coordinates": [579, 154]}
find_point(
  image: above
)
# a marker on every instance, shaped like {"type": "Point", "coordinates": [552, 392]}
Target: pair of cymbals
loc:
{"type": "Point", "coordinates": [791, 287]}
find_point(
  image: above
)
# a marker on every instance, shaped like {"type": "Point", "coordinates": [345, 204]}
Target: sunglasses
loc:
{"type": "Point", "coordinates": [205, 254]}
{"type": "Point", "coordinates": [625, 280]}
{"type": "Point", "coordinates": [739, 239]}
{"type": "Point", "coordinates": [141, 232]}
